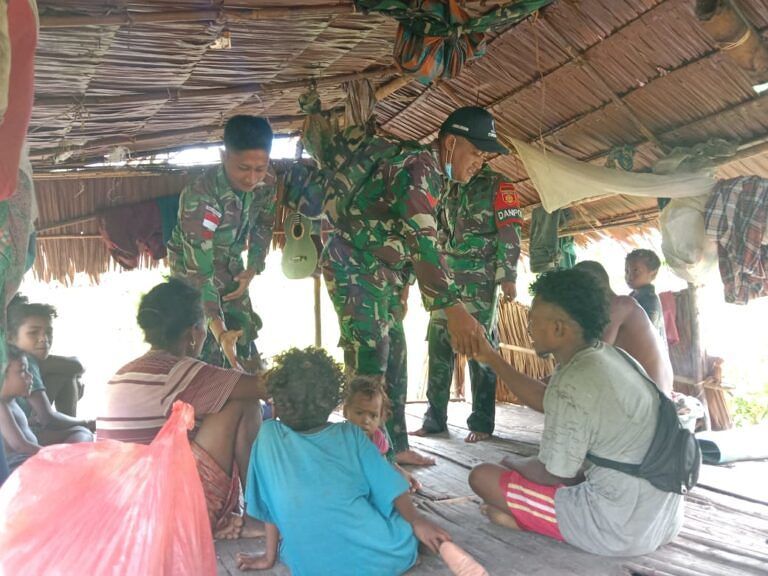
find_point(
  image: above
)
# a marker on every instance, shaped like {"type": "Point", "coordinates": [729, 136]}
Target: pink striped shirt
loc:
{"type": "Point", "coordinates": [139, 396]}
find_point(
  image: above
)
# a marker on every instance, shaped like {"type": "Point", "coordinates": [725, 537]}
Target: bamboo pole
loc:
{"type": "Point", "coordinates": [130, 18]}
{"type": "Point", "coordinates": [68, 237]}
{"type": "Point", "coordinates": [318, 319]}
{"type": "Point", "coordinates": [172, 94]}
{"type": "Point", "coordinates": [391, 87]}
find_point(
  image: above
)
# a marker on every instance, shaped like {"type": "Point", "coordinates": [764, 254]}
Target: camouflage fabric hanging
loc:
{"type": "Point", "coordinates": [436, 38]}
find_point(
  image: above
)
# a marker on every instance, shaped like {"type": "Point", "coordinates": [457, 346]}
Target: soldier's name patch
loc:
{"type": "Point", "coordinates": [506, 205]}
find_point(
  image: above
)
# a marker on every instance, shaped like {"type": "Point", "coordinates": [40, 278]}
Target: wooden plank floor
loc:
{"type": "Point", "coordinates": [722, 534]}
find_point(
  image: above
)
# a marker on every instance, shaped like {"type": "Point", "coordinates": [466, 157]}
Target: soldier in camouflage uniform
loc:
{"type": "Point", "coordinates": [479, 226]}
{"type": "Point", "coordinates": [225, 209]}
{"type": "Point", "coordinates": [380, 199]}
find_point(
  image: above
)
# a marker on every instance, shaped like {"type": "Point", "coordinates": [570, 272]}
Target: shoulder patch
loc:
{"type": "Point", "coordinates": [506, 205]}
{"type": "Point", "coordinates": [211, 221]}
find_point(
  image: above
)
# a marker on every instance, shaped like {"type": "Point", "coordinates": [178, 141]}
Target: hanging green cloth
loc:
{"type": "Point", "coordinates": [437, 37]}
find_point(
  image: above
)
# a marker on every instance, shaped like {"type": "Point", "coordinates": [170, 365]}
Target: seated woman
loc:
{"type": "Point", "coordinates": [30, 328]}
{"type": "Point", "coordinates": [226, 402]}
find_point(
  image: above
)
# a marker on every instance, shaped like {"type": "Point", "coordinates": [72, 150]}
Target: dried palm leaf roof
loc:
{"type": "Point", "coordinates": [579, 78]}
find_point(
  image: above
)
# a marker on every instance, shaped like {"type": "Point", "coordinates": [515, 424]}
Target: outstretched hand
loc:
{"type": "Point", "coordinates": [243, 281]}
{"type": "Point", "coordinates": [429, 533]}
{"type": "Point", "coordinates": [485, 352]}
{"type": "Point", "coordinates": [464, 330]}
{"type": "Point", "coordinates": [509, 291]}
{"type": "Point", "coordinates": [228, 342]}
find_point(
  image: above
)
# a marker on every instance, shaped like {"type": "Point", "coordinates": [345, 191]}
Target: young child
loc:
{"type": "Point", "coordinates": [339, 507]}
{"type": "Point", "coordinates": [640, 269]}
{"type": "Point", "coordinates": [30, 327]}
{"type": "Point", "coordinates": [19, 441]}
{"type": "Point", "coordinates": [366, 404]}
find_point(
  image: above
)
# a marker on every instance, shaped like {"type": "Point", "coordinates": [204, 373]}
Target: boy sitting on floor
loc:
{"type": "Point", "coordinates": [19, 440]}
{"type": "Point", "coordinates": [598, 402]}
{"type": "Point", "coordinates": [339, 507]}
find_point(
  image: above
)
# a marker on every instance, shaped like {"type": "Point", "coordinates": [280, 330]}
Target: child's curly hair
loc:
{"type": "Point", "coordinates": [305, 386]}
{"type": "Point", "coordinates": [369, 386]}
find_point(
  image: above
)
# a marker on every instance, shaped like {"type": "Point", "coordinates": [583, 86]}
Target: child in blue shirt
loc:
{"type": "Point", "coordinates": [340, 508]}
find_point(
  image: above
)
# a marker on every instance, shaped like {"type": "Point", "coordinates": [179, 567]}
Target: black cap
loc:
{"type": "Point", "coordinates": [476, 125]}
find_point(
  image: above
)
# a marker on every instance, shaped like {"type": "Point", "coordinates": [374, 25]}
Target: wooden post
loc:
{"type": "Point", "coordinates": [697, 354]}
{"type": "Point", "coordinates": [318, 319]}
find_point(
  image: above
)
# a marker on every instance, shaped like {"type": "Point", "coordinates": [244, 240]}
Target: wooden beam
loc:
{"type": "Point", "coordinates": [151, 137]}
{"type": "Point", "coordinates": [131, 18]}
{"type": "Point", "coordinates": [173, 94]}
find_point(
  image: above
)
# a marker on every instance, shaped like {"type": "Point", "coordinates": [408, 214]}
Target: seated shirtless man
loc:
{"type": "Point", "coordinates": [632, 331]}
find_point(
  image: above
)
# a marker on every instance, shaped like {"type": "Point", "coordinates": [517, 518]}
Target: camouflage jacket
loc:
{"type": "Point", "coordinates": [479, 228]}
{"type": "Point", "coordinates": [380, 196]}
{"type": "Point", "coordinates": [215, 225]}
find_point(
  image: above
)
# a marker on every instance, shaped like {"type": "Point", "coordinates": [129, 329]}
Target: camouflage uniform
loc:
{"type": "Point", "coordinates": [215, 224]}
{"type": "Point", "coordinates": [479, 225]}
{"type": "Point", "coordinates": [380, 200]}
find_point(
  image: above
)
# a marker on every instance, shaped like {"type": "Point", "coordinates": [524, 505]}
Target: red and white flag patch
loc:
{"type": "Point", "coordinates": [211, 221]}
{"type": "Point", "coordinates": [506, 205]}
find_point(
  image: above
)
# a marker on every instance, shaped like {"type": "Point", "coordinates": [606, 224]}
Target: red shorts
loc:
{"type": "Point", "coordinates": [531, 505]}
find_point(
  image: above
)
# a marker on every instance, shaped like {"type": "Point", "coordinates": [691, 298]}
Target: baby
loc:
{"type": "Point", "coordinates": [366, 404]}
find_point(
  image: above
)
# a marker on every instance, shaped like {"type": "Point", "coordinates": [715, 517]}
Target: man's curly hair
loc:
{"type": "Point", "coordinates": [369, 386]}
{"type": "Point", "coordinates": [580, 295]}
{"type": "Point", "coordinates": [305, 386]}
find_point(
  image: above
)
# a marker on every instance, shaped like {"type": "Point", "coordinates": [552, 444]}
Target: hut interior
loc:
{"type": "Point", "coordinates": [120, 84]}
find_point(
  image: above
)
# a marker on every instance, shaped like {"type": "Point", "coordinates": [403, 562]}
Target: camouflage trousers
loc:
{"type": "Point", "coordinates": [372, 336]}
{"type": "Point", "coordinates": [481, 301]}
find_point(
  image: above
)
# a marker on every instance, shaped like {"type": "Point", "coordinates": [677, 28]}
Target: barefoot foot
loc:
{"type": "Point", "coordinates": [229, 529]}
{"type": "Point", "coordinates": [413, 458]}
{"type": "Point", "coordinates": [473, 437]}
{"type": "Point", "coordinates": [422, 432]}
{"type": "Point", "coordinates": [498, 517]}
{"type": "Point", "coordinates": [252, 528]}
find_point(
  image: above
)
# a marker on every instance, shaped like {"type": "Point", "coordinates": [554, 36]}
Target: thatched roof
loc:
{"type": "Point", "coordinates": [580, 77]}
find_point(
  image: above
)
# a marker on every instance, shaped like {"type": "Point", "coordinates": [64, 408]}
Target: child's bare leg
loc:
{"type": "Point", "coordinates": [484, 481]}
{"type": "Point", "coordinates": [499, 517]}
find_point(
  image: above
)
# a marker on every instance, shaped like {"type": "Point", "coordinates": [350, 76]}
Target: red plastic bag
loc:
{"type": "Point", "coordinates": [109, 508]}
